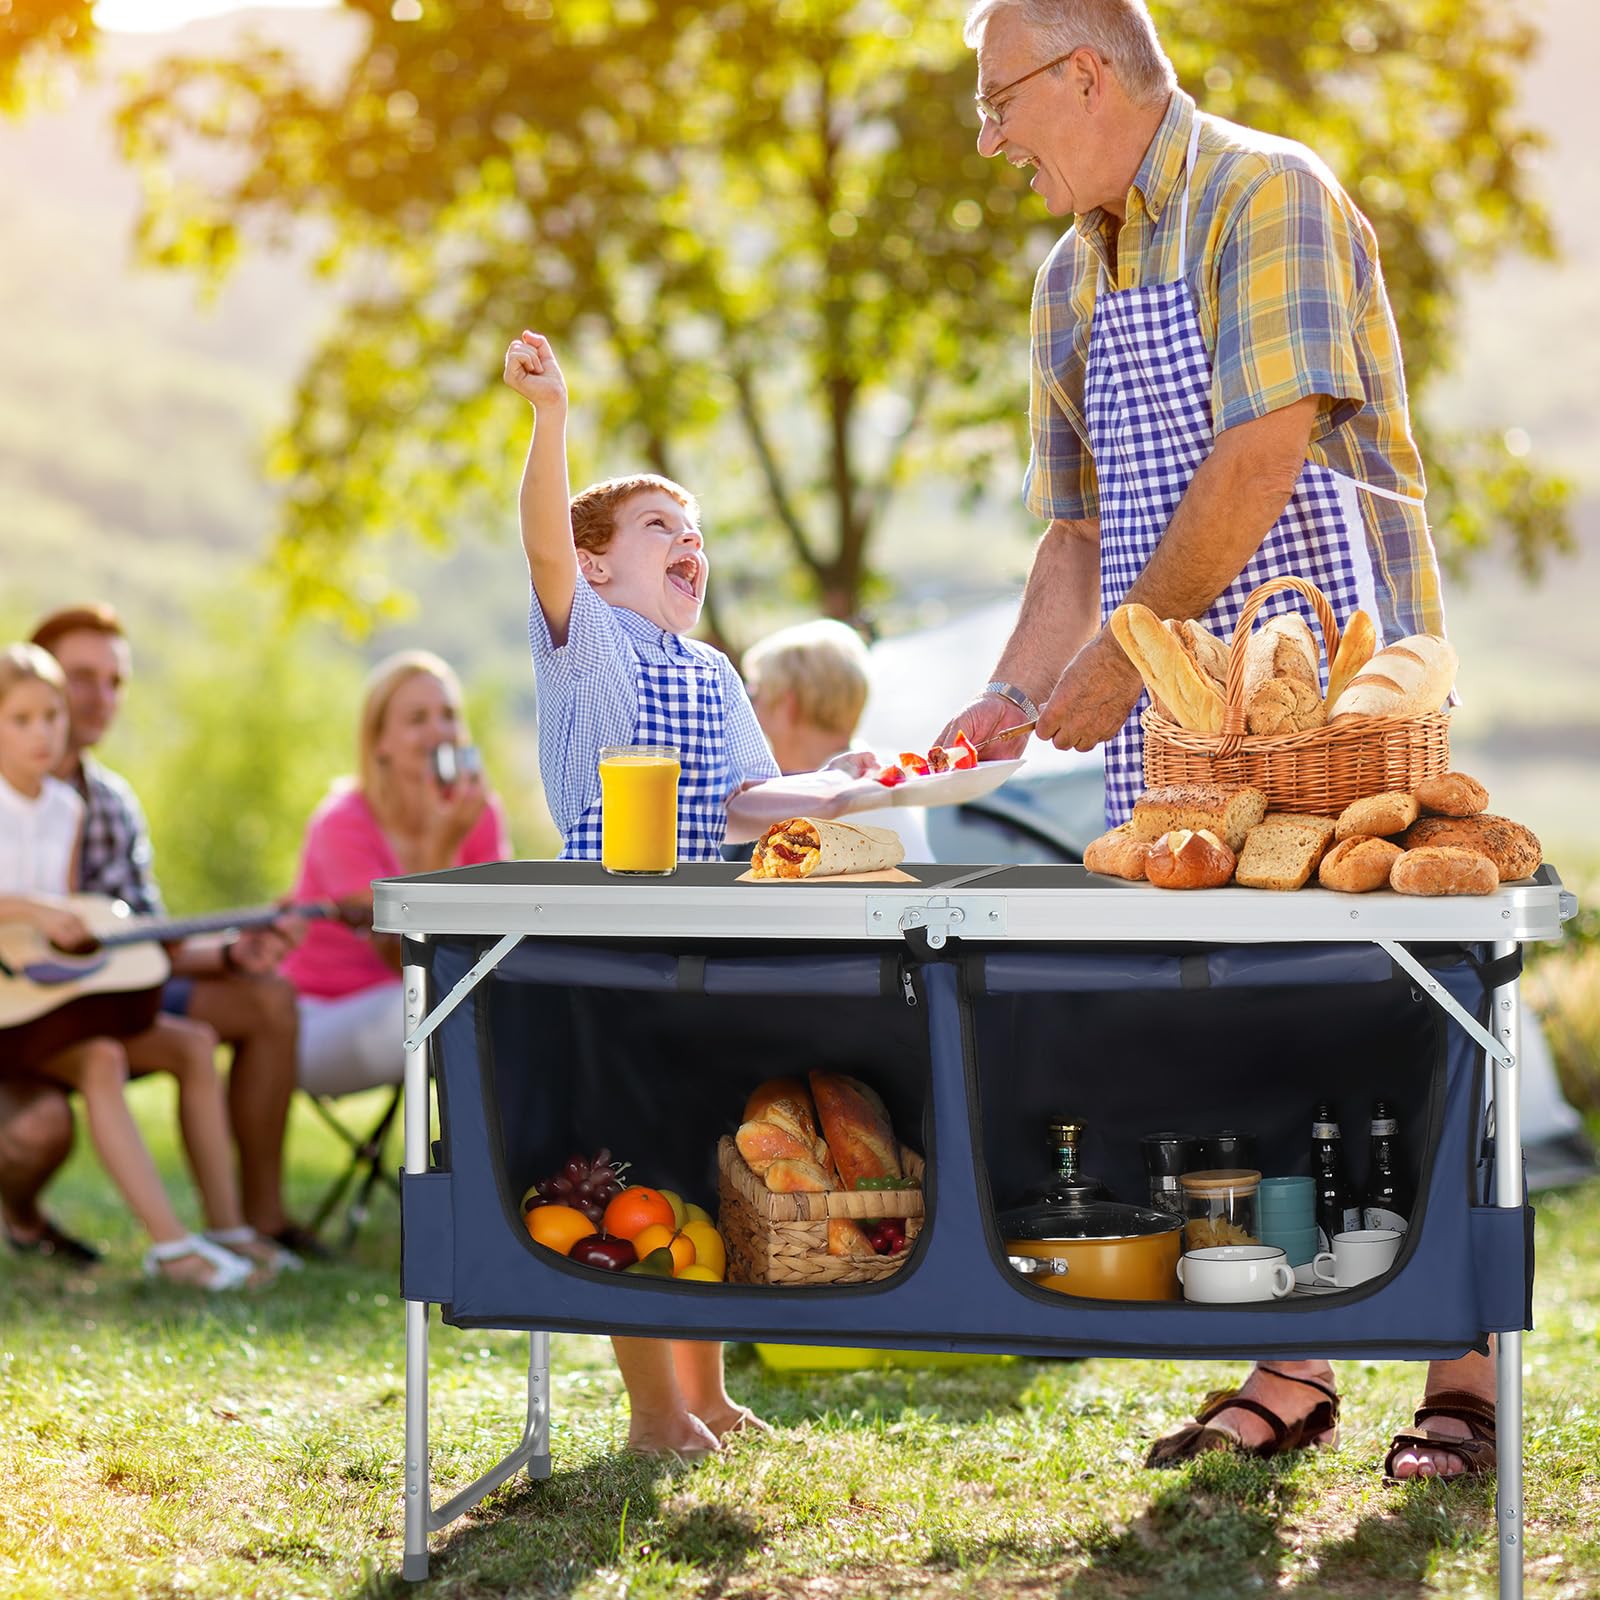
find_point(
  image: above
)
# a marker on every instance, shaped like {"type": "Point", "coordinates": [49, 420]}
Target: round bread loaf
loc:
{"type": "Point", "coordinates": [1357, 866]}
{"type": "Point", "coordinates": [1515, 850]}
{"type": "Point", "coordinates": [1443, 869]}
{"type": "Point", "coordinates": [1377, 816]}
{"type": "Point", "coordinates": [1451, 794]}
{"type": "Point", "coordinates": [1185, 859]}
{"type": "Point", "coordinates": [1117, 854]}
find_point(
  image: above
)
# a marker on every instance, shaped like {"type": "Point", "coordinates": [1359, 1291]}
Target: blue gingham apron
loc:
{"type": "Point", "coordinates": [680, 704]}
{"type": "Point", "coordinates": [1147, 406]}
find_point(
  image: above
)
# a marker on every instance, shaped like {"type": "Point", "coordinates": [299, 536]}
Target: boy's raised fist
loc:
{"type": "Point", "coordinates": [531, 370]}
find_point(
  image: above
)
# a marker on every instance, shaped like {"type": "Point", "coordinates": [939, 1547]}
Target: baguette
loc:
{"type": "Point", "coordinates": [1408, 679]}
{"type": "Point", "coordinates": [1356, 645]}
{"type": "Point", "coordinates": [1168, 673]}
{"type": "Point", "coordinates": [1202, 647]}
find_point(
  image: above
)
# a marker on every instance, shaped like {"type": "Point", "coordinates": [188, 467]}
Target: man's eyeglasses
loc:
{"type": "Point", "coordinates": [989, 108]}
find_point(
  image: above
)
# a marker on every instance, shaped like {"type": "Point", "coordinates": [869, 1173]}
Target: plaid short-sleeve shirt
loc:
{"type": "Point", "coordinates": [116, 857]}
{"type": "Point", "coordinates": [1283, 270]}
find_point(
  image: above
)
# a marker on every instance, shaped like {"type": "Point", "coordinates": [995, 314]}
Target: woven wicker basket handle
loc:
{"type": "Point", "coordinates": [1233, 700]}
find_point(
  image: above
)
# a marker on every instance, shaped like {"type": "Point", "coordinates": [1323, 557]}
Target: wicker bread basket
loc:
{"type": "Point", "coordinates": [1319, 771]}
{"type": "Point", "coordinates": [783, 1238]}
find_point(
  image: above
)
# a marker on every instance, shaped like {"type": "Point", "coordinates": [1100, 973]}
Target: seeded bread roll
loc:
{"type": "Point", "coordinates": [1189, 859]}
{"type": "Point", "coordinates": [1228, 810]}
{"type": "Point", "coordinates": [1451, 794]}
{"type": "Point", "coordinates": [1408, 679]}
{"type": "Point", "coordinates": [1515, 850]}
{"type": "Point", "coordinates": [1283, 705]}
{"type": "Point", "coordinates": [1118, 854]}
{"type": "Point", "coordinates": [1283, 850]}
{"type": "Point", "coordinates": [1377, 816]}
{"type": "Point", "coordinates": [1358, 866]}
{"type": "Point", "coordinates": [1443, 869]}
{"type": "Point", "coordinates": [1356, 645]}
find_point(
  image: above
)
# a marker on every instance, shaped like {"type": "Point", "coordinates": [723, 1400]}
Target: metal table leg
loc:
{"type": "Point", "coordinates": [418, 1108]}
{"type": "Point", "coordinates": [537, 1433]}
{"type": "Point", "coordinates": [1508, 1181]}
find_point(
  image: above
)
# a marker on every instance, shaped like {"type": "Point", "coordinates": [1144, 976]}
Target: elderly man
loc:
{"type": "Point", "coordinates": [1217, 399]}
{"type": "Point", "coordinates": [232, 986]}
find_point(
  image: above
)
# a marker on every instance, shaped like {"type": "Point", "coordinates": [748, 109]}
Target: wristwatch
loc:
{"type": "Point", "coordinates": [1018, 697]}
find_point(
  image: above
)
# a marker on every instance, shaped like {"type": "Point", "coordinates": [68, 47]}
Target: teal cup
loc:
{"type": "Point", "coordinates": [1286, 1203]}
{"type": "Point", "coordinates": [1299, 1245]}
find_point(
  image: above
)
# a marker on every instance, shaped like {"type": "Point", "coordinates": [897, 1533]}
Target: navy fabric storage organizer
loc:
{"type": "Point", "coordinates": [649, 1051]}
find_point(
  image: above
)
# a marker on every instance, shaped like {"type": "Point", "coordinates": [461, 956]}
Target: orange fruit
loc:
{"type": "Point", "coordinates": [558, 1228]}
{"type": "Point", "coordinates": [661, 1237]}
{"type": "Point", "coordinates": [634, 1210]}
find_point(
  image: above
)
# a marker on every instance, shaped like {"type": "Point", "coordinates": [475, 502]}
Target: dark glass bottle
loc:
{"type": "Point", "coordinates": [1387, 1201]}
{"type": "Point", "coordinates": [1337, 1210]}
{"type": "Point", "coordinates": [1067, 1185]}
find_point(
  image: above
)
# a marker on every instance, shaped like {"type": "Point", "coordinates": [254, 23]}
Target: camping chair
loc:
{"type": "Point", "coordinates": [366, 1170]}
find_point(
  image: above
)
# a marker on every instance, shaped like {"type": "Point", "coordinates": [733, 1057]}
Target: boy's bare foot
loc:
{"type": "Point", "coordinates": [735, 1419]}
{"type": "Point", "coordinates": [678, 1433]}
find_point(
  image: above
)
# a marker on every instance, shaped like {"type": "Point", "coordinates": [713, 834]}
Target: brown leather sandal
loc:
{"type": "Point", "coordinates": [1478, 1452]}
{"type": "Point", "coordinates": [1319, 1428]}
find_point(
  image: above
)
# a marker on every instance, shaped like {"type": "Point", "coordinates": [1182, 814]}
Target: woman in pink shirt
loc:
{"type": "Point", "coordinates": [395, 817]}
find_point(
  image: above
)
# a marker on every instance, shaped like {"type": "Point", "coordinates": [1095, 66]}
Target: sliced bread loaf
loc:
{"type": "Point", "coordinates": [1227, 810]}
{"type": "Point", "coordinates": [1283, 850]}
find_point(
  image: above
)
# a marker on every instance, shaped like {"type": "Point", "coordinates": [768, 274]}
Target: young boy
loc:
{"type": "Point", "coordinates": [619, 576]}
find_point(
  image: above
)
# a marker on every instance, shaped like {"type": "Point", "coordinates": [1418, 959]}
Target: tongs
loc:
{"type": "Point", "coordinates": [1006, 733]}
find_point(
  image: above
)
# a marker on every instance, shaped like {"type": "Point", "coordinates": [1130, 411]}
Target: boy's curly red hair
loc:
{"type": "Point", "coordinates": [594, 512]}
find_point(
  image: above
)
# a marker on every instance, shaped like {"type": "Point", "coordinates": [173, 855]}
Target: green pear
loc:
{"type": "Point", "coordinates": [699, 1214]}
{"type": "Point", "coordinates": [658, 1264]}
{"type": "Point", "coordinates": [680, 1212]}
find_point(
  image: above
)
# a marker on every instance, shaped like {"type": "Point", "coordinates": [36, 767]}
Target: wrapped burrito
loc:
{"type": "Point", "coordinates": [805, 847]}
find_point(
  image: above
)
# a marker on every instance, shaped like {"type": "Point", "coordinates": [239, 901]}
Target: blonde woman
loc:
{"type": "Point", "coordinates": [396, 816]}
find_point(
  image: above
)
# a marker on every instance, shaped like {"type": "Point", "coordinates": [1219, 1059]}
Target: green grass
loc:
{"type": "Point", "coordinates": [159, 1445]}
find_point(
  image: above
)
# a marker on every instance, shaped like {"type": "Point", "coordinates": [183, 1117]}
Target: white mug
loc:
{"type": "Point", "coordinates": [1232, 1274]}
{"type": "Point", "coordinates": [1356, 1256]}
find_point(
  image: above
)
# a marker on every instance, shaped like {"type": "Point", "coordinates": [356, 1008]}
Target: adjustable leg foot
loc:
{"type": "Point", "coordinates": [414, 1569]}
{"type": "Point", "coordinates": [538, 1468]}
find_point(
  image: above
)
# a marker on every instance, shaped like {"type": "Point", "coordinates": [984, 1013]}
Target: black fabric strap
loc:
{"type": "Point", "coordinates": [1194, 972]}
{"type": "Point", "coordinates": [691, 974]}
{"type": "Point", "coordinates": [1501, 970]}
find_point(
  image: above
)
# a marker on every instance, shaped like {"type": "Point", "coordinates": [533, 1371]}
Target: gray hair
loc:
{"type": "Point", "coordinates": [1118, 31]}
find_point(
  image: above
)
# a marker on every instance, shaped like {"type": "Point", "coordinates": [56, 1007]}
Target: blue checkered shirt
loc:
{"type": "Point", "coordinates": [588, 699]}
{"type": "Point", "coordinates": [117, 859]}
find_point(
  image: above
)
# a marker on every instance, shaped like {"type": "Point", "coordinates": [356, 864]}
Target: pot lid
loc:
{"type": "Point", "coordinates": [1100, 1219]}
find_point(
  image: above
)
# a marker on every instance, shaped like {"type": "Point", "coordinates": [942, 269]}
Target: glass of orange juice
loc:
{"type": "Point", "coordinates": [639, 809]}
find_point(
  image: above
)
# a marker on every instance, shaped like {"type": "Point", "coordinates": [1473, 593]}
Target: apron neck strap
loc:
{"type": "Point", "coordinates": [1183, 210]}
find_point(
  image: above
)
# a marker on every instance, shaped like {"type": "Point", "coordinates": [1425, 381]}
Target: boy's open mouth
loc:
{"type": "Point", "coordinates": [684, 574]}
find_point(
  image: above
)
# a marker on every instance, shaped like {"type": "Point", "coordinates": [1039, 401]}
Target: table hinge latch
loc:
{"type": "Point", "coordinates": [940, 917]}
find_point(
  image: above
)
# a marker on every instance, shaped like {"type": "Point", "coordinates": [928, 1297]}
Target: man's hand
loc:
{"type": "Point", "coordinates": [66, 930]}
{"type": "Point", "coordinates": [1092, 698]}
{"type": "Point", "coordinates": [987, 715]}
{"type": "Point", "coordinates": [531, 370]}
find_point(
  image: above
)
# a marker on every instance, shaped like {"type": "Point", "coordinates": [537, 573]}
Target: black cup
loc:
{"type": "Point", "coordinates": [1168, 1155]}
{"type": "Point", "coordinates": [1223, 1151]}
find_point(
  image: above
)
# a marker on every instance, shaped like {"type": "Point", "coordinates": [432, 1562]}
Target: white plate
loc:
{"type": "Point", "coordinates": [936, 789]}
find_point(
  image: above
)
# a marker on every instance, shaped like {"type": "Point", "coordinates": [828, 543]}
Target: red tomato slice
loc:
{"type": "Point", "coordinates": [913, 763]}
{"type": "Point", "coordinates": [963, 753]}
{"type": "Point", "coordinates": [889, 776]}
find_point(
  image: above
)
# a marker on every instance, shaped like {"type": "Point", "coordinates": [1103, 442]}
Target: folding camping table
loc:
{"type": "Point", "coordinates": [978, 1000]}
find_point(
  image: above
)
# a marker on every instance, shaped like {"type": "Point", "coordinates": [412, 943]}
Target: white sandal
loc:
{"type": "Point", "coordinates": [228, 1270]}
{"type": "Point", "coordinates": [257, 1247]}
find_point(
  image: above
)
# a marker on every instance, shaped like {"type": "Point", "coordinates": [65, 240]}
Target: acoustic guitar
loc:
{"type": "Point", "coordinates": [50, 998]}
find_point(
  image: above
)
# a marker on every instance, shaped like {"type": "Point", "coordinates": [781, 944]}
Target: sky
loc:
{"type": "Point", "coordinates": [156, 16]}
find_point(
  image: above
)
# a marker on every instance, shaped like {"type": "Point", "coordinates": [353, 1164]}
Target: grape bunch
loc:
{"type": "Point", "coordinates": [584, 1183]}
